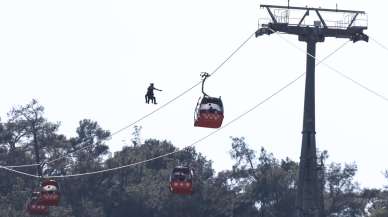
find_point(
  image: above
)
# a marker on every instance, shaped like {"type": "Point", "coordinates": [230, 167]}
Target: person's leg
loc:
{"type": "Point", "coordinates": [152, 97]}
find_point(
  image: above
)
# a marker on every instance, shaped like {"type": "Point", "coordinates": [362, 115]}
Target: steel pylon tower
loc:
{"type": "Point", "coordinates": [309, 202]}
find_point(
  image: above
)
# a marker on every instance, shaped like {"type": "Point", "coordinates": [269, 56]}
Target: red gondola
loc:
{"type": "Point", "coordinates": [209, 111]}
{"type": "Point", "coordinates": [50, 193]}
{"type": "Point", "coordinates": [35, 206]}
{"type": "Point", "coordinates": [181, 180]}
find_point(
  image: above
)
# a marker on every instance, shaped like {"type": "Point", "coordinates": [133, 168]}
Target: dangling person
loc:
{"type": "Point", "coordinates": [150, 94]}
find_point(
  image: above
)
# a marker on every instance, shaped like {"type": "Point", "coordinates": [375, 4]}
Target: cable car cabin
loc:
{"type": "Point", "coordinates": [50, 193]}
{"type": "Point", "coordinates": [181, 180]}
{"type": "Point", "coordinates": [35, 206]}
{"type": "Point", "coordinates": [209, 112]}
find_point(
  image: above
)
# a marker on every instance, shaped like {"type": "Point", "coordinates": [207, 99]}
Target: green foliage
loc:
{"type": "Point", "coordinates": [270, 184]}
{"type": "Point", "coordinates": [259, 184]}
{"type": "Point", "coordinates": [379, 202]}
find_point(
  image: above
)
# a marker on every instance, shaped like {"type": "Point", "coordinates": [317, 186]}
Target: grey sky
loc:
{"type": "Point", "coordinates": [95, 59]}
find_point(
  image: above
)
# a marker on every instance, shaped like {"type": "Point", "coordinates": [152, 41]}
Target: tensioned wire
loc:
{"type": "Point", "coordinates": [167, 103]}
{"type": "Point", "coordinates": [229, 57]}
{"type": "Point", "coordinates": [195, 142]}
{"type": "Point", "coordinates": [183, 93]}
{"type": "Point", "coordinates": [145, 116]}
{"type": "Point", "coordinates": [23, 165]}
{"type": "Point", "coordinates": [336, 70]}
{"type": "Point", "coordinates": [379, 43]}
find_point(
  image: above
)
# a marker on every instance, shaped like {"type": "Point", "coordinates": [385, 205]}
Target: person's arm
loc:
{"type": "Point", "coordinates": [157, 89]}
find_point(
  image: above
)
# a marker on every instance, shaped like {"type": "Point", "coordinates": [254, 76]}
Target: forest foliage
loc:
{"type": "Point", "coordinates": [258, 184]}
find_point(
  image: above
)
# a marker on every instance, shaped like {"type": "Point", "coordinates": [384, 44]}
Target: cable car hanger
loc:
{"type": "Point", "coordinates": [204, 75]}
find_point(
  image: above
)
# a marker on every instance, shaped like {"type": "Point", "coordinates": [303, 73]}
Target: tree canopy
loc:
{"type": "Point", "coordinates": [258, 184]}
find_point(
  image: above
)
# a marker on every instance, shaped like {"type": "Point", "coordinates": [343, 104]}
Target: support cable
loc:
{"type": "Point", "coordinates": [379, 43]}
{"type": "Point", "coordinates": [147, 115]}
{"type": "Point", "coordinates": [23, 165]}
{"type": "Point", "coordinates": [334, 69]}
{"type": "Point", "coordinates": [165, 104]}
{"type": "Point", "coordinates": [19, 172]}
{"type": "Point", "coordinates": [195, 142]}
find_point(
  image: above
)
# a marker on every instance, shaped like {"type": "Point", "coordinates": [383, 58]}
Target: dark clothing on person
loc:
{"type": "Point", "coordinates": [150, 94]}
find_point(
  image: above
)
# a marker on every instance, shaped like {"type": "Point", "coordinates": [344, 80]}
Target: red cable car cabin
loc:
{"type": "Point", "coordinates": [209, 112]}
{"type": "Point", "coordinates": [35, 206]}
{"type": "Point", "coordinates": [50, 193]}
{"type": "Point", "coordinates": [181, 180]}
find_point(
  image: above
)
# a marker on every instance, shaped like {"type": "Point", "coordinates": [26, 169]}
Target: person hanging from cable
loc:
{"type": "Point", "coordinates": [150, 94]}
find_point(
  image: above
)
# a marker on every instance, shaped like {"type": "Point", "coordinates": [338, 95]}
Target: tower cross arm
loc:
{"type": "Point", "coordinates": [319, 30]}
{"type": "Point", "coordinates": [353, 33]}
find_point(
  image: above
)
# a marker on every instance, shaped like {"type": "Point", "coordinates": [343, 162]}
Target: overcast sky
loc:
{"type": "Point", "coordinates": [94, 59]}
